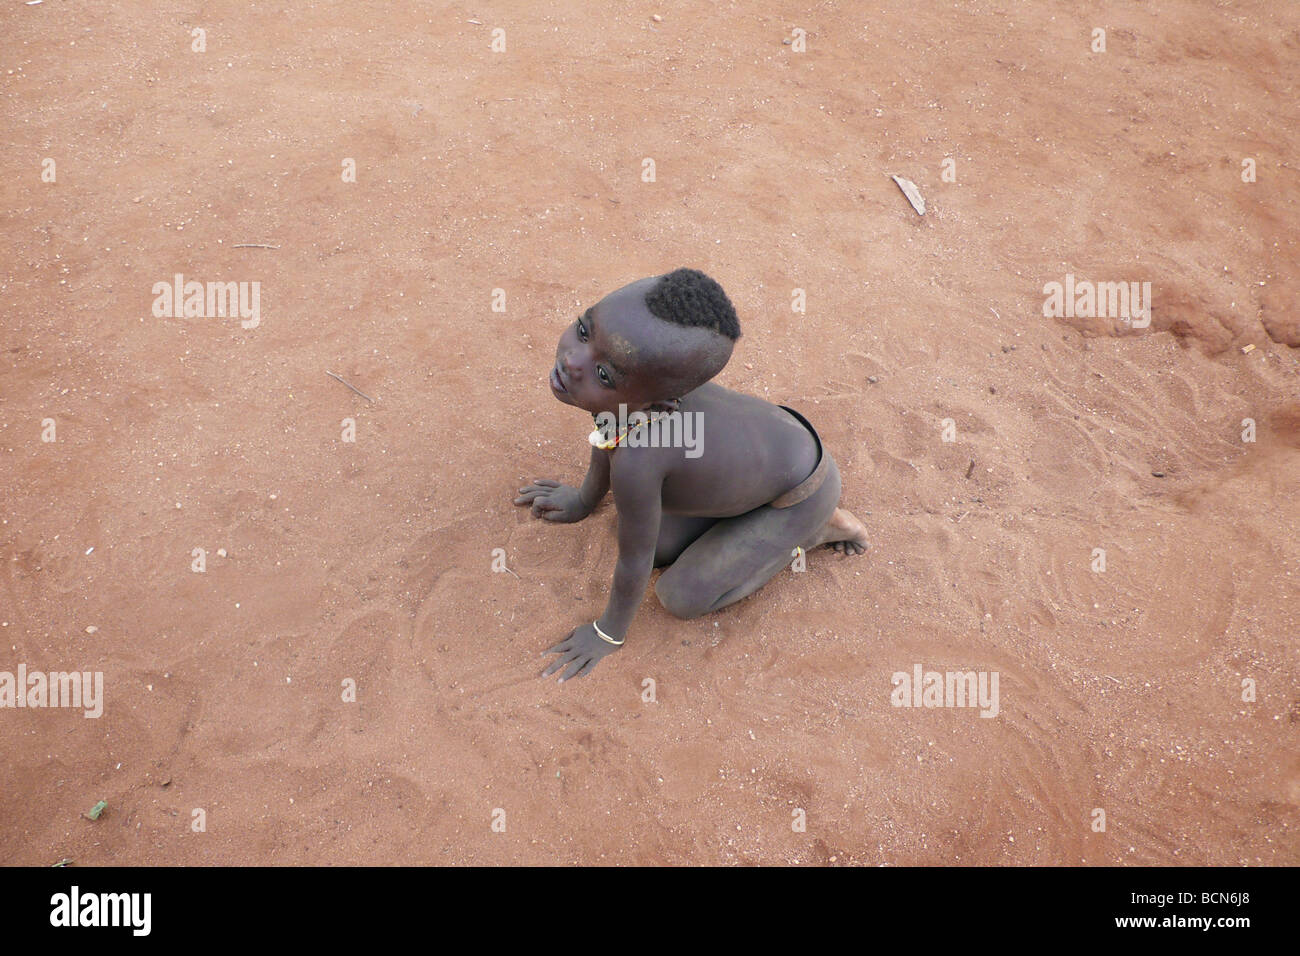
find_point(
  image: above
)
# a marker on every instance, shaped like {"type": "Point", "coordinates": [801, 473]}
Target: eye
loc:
{"type": "Point", "coordinates": [604, 377]}
{"type": "Point", "coordinates": [582, 331]}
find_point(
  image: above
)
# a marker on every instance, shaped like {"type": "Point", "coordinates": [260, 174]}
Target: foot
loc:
{"type": "Point", "coordinates": [844, 533]}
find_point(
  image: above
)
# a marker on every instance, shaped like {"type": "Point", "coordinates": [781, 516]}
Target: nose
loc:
{"type": "Point", "coordinates": [565, 365]}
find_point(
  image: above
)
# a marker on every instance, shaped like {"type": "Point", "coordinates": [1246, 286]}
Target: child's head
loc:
{"type": "Point", "coordinates": [646, 344]}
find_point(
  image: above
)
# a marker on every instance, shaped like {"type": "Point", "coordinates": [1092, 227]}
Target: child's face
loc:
{"type": "Point", "coordinates": [615, 353]}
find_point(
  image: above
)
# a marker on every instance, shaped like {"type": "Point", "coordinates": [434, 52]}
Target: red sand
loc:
{"type": "Point", "coordinates": [522, 171]}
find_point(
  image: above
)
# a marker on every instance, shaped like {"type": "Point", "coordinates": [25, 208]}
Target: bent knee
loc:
{"type": "Point", "coordinates": [678, 600]}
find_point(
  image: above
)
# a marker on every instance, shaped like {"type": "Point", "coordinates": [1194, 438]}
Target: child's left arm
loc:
{"type": "Point", "coordinates": [638, 496]}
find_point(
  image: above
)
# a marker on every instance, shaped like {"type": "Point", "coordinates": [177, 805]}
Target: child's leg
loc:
{"type": "Point", "coordinates": [737, 556]}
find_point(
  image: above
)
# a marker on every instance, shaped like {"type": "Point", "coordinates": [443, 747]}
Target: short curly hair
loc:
{"type": "Point", "coordinates": [689, 298]}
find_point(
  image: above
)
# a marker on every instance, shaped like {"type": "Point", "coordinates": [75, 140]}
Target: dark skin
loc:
{"type": "Point", "coordinates": [708, 513]}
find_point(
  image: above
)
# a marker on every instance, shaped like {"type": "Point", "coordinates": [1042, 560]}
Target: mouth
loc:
{"type": "Point", "coordinates": [557, 383]}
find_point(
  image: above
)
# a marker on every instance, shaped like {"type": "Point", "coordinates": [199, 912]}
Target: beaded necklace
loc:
{"type": "Point", "coordinates": [597, 437]}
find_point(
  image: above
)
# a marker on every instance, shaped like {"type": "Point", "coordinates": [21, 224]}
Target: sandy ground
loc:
{"type": "Point", "coordinates": [370, 561]}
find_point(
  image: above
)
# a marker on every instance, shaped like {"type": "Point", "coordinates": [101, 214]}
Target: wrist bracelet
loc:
{"type": "Point", "coordinates": [605, 637]}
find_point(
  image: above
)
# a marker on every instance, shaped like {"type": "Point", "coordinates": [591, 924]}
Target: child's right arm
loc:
{"type": "Point", "coordinates": [556, 502]}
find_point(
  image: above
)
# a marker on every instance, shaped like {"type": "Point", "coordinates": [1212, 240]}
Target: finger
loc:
{"type": "Point", "coordinates": [543, 504]}
{"type": "Point", "coordinates": [576, 669]}
{"type": "Point", "coordinates": [563, 645]}
{"type": "Point", "coordinates": [546, 482]}
{"type": "Point", "coordinates": [561, 661]}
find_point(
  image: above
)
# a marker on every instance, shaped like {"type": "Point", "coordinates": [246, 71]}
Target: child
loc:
{"type": "Point", "coordinates": [724, 513]}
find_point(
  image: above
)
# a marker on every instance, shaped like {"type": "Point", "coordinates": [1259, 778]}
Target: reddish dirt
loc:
{"type": "Point", "coordinates": [521, 171]}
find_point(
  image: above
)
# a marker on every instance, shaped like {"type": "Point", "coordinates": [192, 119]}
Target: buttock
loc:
{"type": "Point", "coordinates": [813, 483]}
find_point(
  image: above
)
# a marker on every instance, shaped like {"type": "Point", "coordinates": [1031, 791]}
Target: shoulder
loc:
{"type": "Point", "coordinates": [639, 469]}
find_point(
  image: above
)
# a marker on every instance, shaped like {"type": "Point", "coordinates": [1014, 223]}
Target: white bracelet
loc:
{"type": "Point", "coordinates": [605, 637]}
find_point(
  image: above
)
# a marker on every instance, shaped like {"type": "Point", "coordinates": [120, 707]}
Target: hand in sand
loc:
{"type": "Point", "coordinates": [581, 650]}
{"type": "Point", "coordinates": [553, 501]}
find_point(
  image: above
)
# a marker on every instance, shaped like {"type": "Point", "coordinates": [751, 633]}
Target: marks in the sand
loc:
{"type": "Point", "coordinates": [1026, 761]}
{"type": "Point", "coordinates": [310, 687]}
{"type": "Point", "coordinates": [1042, 761]}
{"type": "Point", "coordinates": [449, 582]}
{"type": "Point", "coordinates": [368, 649]}
{"type": "Point", "coordinates": [1267, 471]}
{"type": "Point", "coordinates": [1289, 789]}
{"type": "Point", "coordinates": [1283, 422]}
{"type": "Point", "coordinates": [14, 565]}
{"type": "Point", "coordinates": [232, 511]}
{"type": "Point", "coordinates": [891, 466]}
{"type": "Point", "coordinates": [48, 566]}
{"type": "Point", "coordinates": [1157, 584]}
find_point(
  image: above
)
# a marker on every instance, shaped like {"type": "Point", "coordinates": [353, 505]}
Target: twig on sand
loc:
{"type": "Point", "coordinates": [350, 385]}
{"type": "Point", "coordinates": [1108, 677]}
{"type": "Point", "coordinates": [253, 245]}
{"type": "Point", "coordinates": [517, 576]}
